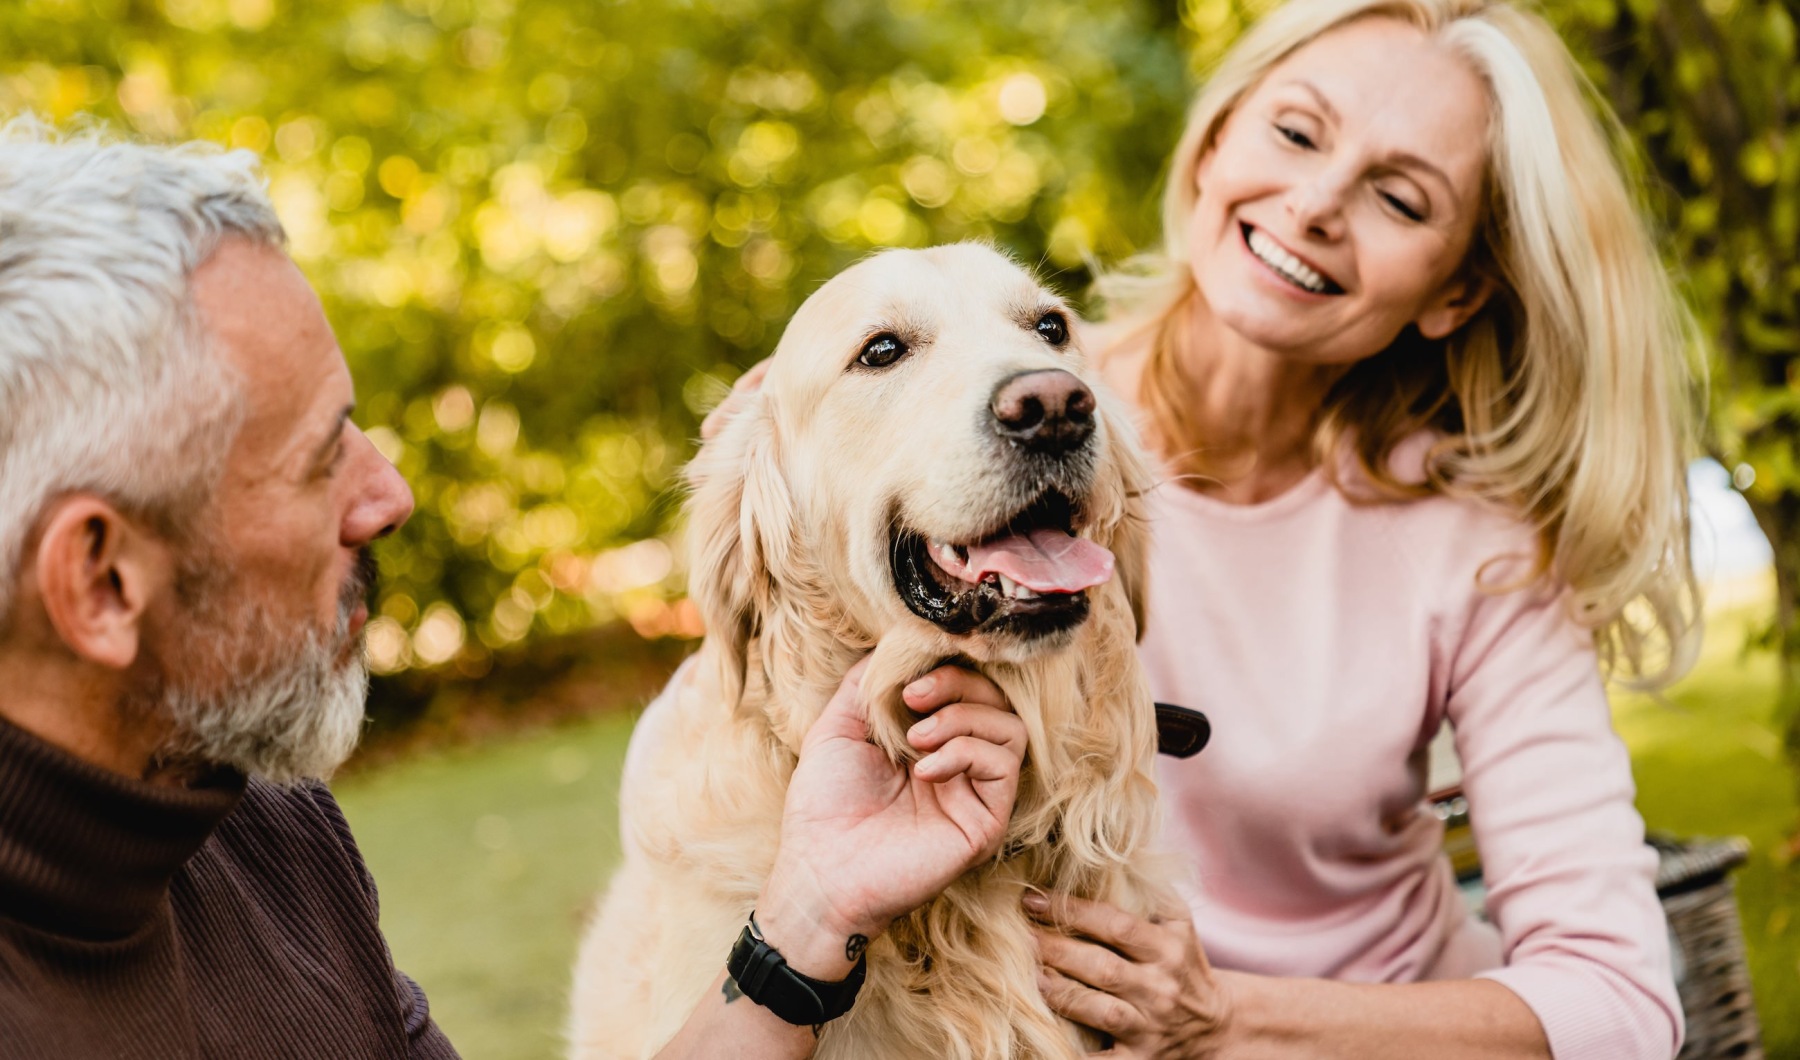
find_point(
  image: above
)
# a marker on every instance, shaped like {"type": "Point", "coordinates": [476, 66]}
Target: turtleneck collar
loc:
{"type": "Point", "coordinates": [87, 853]}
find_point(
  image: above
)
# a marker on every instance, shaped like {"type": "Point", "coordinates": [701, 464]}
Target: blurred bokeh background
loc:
{"type": "Point", "coordinates": [551, 232]}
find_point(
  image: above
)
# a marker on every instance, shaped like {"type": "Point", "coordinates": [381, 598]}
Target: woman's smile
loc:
{"type": "Point", "coordinates": [1348, 170]}
{"type": "Point", "coordinates": [1296, 275]}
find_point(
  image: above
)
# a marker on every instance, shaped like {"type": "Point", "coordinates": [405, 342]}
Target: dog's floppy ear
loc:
{"type": "Point", "coordinates": [1130, 542]}
{"type": "Point", "coordinates": [738, 519]}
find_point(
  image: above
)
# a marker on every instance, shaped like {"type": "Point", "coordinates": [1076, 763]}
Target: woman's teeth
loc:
{"type": "Point", "coordinates": [1290, 267]}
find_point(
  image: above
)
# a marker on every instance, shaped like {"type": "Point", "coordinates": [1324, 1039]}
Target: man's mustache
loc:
{"type": "Point", "coordinates": [359, 586]}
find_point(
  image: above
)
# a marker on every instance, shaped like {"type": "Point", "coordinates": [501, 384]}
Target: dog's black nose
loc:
{"type": "Point", "coordinates": [1047, 411]}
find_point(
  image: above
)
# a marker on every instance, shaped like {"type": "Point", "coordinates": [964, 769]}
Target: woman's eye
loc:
{"type": "Point", "coordinates": [881, 351]}
{"type": "Point", "coordinates": [1293, 135]}
{"type": "Point", "coordinates": [1402, 206]}
{"type": "Point", "coordinates": [1053, 328]}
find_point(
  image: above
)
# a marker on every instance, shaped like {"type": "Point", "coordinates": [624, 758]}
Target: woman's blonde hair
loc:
{"type": "Point", "coordinates": [1568, 398]}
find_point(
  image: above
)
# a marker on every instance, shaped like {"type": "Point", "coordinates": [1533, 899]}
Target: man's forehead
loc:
{"type": "Point", "coordinates": [264, 320]}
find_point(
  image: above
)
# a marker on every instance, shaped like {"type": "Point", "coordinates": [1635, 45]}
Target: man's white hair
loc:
{"type": "Point", "coordinates": [106, 382]}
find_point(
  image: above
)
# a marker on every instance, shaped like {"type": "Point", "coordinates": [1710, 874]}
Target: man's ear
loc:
{"type": "Point", "coordinates": [1452, 307]}
{"type": "Point", "coordinates": [96, 573]}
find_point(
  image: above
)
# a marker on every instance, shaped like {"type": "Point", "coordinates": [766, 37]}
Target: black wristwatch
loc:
{"type": "Point", "coordinates": [763, 976]}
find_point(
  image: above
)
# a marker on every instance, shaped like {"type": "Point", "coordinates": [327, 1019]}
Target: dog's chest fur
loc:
{"type": "Point", "coordinates": [957, 978]}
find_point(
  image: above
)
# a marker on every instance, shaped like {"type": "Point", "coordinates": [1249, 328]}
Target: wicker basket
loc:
{"type": "Point", "coordinates": [1693, 880]}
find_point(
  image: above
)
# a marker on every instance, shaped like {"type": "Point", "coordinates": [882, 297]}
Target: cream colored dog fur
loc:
{"type": "Point", "coordinates": [792, 517]}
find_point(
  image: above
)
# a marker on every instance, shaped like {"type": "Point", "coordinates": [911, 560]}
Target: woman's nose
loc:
{"type": "Point", "coordinates": [1317, 205]}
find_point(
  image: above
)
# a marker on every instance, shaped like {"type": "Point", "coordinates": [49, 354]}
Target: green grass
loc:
{"type": "Point", "coordinates": [488, 857]}
{"type": "Point", "coordinates": [1708, 762]}
{"type": "Point", "coordinates": [487, 860]}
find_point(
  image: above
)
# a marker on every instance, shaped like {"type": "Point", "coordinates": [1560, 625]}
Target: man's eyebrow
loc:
{"type": "Point", "coordinates": [337, 430]}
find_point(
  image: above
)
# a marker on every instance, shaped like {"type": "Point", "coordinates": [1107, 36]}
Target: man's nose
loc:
{"type": "Point", "coordinates": [383, 500]}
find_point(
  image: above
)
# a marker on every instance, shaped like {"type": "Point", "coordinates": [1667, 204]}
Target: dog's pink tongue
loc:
{"type": "Point", "coordinates": [1046, 561]}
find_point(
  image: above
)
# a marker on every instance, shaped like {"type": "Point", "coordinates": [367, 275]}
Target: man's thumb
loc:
{"type": "Point", "coordinates": [843, 715]}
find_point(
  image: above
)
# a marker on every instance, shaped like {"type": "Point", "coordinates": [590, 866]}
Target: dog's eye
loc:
{"type": "Point", "coordinates": [1053, 328]}
{"type": "Point", "coordinates": [881, 351]}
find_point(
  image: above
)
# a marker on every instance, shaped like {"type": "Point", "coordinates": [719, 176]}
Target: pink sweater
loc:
{"type": "Point", "coordinates": [1328, 642]}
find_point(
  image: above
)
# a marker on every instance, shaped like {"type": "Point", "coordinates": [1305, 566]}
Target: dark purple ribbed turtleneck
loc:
{"type": "Point", "coordinates": [225, 921]}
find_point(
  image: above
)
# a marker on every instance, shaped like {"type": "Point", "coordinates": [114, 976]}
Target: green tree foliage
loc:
{"type": "Point", "coordinates": [1711, 91]}
{"type": "Point", "coordinates": [550, 232]}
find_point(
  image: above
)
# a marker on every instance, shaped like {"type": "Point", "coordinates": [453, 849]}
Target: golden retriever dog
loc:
{"type": "Point", "coordinates": [924, 473]}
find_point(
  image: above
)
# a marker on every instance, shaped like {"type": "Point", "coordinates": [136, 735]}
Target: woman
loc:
{"type": "Point", "coordinates": [1420, 381]}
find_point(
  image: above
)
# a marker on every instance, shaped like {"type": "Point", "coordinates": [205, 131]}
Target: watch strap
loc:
{"type": "Point", "coordinates": [762, 974]}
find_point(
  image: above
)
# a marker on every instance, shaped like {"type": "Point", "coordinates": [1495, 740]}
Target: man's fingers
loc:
{"type": "Point", "coordinates": [1136, 938]}
{"type": "Point", "coordinates": [1087, 1006]}
{"type": "Point", "coordinates": [981, 760]}
{"type": "Point", "coordinates": [843, 715]}
{"type": "Point", "coordinates": [992, 724]}
{"type": "Point", "coordinates": [952, 684]}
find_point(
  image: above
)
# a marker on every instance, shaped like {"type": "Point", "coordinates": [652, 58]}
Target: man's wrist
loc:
{"type": "Point", "coordinates": [812, 939]}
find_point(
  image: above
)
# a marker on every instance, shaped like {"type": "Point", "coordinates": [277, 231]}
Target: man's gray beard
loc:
{"type": "Point", "coordinates": [242, 690]}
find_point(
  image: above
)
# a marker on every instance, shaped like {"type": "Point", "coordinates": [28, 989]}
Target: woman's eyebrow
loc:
{"type": "Point", "coordinates": [1403, 159]}
{"type": "Point", "coordinates": [1318, 97]}
{"type": "Point", "coordinates": [1408, 160]}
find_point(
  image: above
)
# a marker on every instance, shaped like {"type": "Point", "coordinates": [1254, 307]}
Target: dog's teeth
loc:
{"type": "Point", "coordinates": [1012, 590]}
{"type": "Point", "coordinates": [945, 555]}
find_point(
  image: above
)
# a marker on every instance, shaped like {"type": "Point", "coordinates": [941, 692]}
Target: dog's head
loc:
{"type": "Point", "coordinates": [928, 462]}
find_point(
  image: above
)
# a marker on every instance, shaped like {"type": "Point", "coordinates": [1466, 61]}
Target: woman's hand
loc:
{"type": "Point", "coordinates": [864, 840]}
{"type": "Point", "coordinates": [1146, 983]}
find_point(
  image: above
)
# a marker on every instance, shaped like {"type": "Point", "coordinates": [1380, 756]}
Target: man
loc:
{"type": "Point", "coordinates": [186, 510]}
{"type": "Point", "coordinates": [185, 515]}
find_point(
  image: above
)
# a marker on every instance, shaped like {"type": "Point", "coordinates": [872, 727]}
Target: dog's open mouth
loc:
{"type": "Point", "coordinates": [1030, 575]}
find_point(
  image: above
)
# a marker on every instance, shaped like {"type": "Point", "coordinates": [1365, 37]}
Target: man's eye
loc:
{"type": "Point", "coordinates": [881, 351]}
{"type": "Point", "coordinates": [1293, 136]}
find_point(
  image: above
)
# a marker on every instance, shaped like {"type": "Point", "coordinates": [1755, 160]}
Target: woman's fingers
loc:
{"type": "Point", "coordinates": [1138, 939]}
{"type": "Point", "coordinates": [1000, 727]}
{"type": "Point", "coordinates": [1093, 965]}
{"type": "Point", "coordinates": [1089, 1007]}
{"type": "Point", "coordinates": [952, 684]}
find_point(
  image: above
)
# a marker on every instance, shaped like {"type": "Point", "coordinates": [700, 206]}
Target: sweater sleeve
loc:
{"type": "Point", "coordinates": [424, 1039]}
{"type": "Point", "coordinates": [1570, 881]}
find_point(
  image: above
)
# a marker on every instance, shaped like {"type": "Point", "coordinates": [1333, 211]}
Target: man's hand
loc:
{"type": "Point", "coordinates": [864, 841]}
